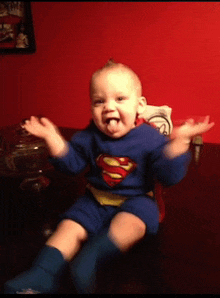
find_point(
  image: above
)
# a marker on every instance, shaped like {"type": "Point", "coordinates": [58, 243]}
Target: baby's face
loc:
{"type": "Point", "coordinates": [115, 102]}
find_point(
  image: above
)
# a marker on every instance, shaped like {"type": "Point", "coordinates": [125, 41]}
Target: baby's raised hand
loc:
{"type": "Point", "coordinates": [41, 128]}
{"type": "Point", "coordinates": [181, 136]}
{"type": "Point", "coordinates": [190, 129]}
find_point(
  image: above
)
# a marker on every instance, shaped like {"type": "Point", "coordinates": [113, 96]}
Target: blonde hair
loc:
{"type": "Point", "coordinates": [111, 64]}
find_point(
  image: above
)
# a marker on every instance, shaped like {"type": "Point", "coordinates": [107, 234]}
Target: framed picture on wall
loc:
{"type": "Point", "coordinates": [16, 28]}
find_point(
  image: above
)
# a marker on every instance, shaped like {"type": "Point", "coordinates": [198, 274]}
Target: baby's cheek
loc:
{"type": "Point", "coordinates": [95, 116]}
{"type": "Point", "coordinates": [130, 117]}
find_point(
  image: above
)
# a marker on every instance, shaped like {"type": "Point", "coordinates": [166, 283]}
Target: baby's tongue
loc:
{"type": "Point", "coordinates": [112, 126]}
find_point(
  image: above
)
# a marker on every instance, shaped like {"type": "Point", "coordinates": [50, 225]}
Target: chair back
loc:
{"type": "Point", "coordinates": [160, 117]}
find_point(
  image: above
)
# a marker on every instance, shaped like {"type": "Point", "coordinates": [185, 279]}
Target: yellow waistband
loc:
{"type": "Point", "coordinates": [107, 198]}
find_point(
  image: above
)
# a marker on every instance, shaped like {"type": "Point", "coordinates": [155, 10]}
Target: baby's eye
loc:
{"type": "Point", "coordinates": [98, 101]}
{"type": "Point", "coordinates": [120, 98]}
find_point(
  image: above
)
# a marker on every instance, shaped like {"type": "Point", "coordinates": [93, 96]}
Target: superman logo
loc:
{"type": "Point", "coordinates": [115, 169]}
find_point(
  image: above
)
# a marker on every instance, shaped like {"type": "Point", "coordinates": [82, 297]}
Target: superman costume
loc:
{"type": "Point", "coordinates": [121, 178]}
{"type": "Point", "coordinates": [122, 173]}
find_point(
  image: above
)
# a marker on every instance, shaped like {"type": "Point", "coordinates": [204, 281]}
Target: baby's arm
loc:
{"type": "Point", "coordinates": [45, 129]}
{"type": "Point", "coordinates": [181, 136]}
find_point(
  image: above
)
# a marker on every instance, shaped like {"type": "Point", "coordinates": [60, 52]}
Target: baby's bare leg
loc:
{"type": "Point", "coordinates": [68, 238]}
{"type": "Point", "coordinates": [126, 229]}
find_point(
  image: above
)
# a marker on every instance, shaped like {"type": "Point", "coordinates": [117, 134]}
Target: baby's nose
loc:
{"type": "Point", "coordinates": [109, 106]}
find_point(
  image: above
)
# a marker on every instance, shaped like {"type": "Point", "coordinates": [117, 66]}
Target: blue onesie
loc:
{"type": "Point", "coordinates": [125, 168]}
{"type": "Point", "coordinates": [121, 177]}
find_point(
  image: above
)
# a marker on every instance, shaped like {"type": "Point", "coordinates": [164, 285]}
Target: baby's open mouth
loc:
{"type": "Point", "coordinates": [112, 120]}
{"type": "Point", "coordinates": [112, 124]}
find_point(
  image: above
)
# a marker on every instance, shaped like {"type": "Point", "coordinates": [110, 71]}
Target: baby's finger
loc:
{"type": "Point", "coordinates": [190, 121]}
{"type": "Point", "coordinates": [45, 121]}
{"type": "Point", "coordinates": [203, 127]}
{"type": "Point", "coordinates": [206, 120]}
{"type": "Point", "coordinates": [33, 120]}
{"type": "Point", "coordinates": [209, 126]}
{"type": "Point", "coordinates": [26, 123]}
{"type": "Point", "coordinates": [206, 123]}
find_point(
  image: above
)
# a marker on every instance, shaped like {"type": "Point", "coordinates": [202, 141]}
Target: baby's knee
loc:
{"type": "Point", "coordinates": [140, 228]}
{"type": "Point", "coordinates": [72, 227]}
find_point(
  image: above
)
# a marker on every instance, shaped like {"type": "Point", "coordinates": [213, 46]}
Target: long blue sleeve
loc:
{"type": "Point", "coordinates": [127, 166]}
{"type": "Point", "coordinates": [169, 171]}
{"type": "Point", "coordinates": [75, 161]}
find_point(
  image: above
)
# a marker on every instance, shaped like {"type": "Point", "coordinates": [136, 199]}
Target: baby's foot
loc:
{"type": "Point", "coordinates": [34, 281]}
{"type": "Point", "coordinates": [42, 278]}
{"type": "Point", "coordinates": [28, 291]}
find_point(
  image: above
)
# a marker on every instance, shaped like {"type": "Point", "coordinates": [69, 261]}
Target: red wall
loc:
{"type": "Point", "coordinates": [173, 46]}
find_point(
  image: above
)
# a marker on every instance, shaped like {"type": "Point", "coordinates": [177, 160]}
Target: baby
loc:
{"type": "Point", "coordinates": [125, 156]}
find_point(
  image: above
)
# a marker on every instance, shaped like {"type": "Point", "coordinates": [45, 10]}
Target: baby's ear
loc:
{"type": "Point", "coordinates": [142, 103]}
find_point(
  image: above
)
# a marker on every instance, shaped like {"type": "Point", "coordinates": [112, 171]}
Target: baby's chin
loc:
{"type": "Point", "coordinates": [115, 135]}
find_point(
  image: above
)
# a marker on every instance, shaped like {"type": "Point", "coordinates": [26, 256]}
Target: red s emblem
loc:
{"type": "Point", "coordinates": [115, 169]}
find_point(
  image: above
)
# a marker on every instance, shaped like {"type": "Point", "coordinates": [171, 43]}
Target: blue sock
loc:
{"type": "Point", "coordinates": [94, 254]}
{"type": "Point", "coordinates": [43, 277]}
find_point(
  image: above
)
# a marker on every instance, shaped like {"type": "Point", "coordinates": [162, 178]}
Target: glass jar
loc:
{"type": "Point", "coordinates": [22, 154]}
